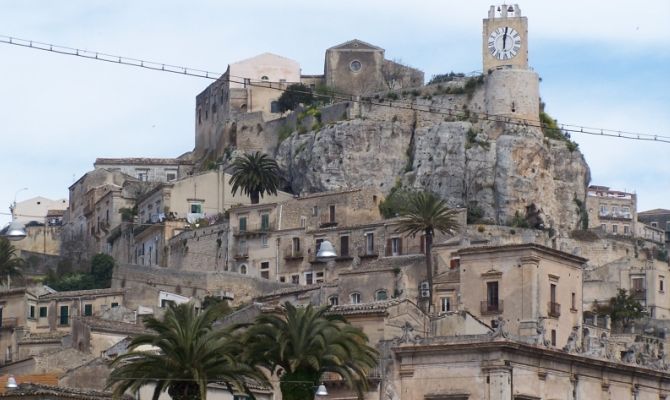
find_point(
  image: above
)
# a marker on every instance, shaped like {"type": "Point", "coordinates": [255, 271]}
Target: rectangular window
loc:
{"type": "Point", "coordinates": [303, 222]}
{"type": "Point", "coordinates": [308, 278]}
{"type": "Point", "coordinates": [344, 246]}
{"type": "Point", "coordinates": [282, 279]}
{"type": "Point", "coordinates": [43, 312]}
{"type": "Point", "coordinates": [553, 337]}
{"type": "Point", "coordinates": [626, 230]}
{"type": "Point", "coordinates": [196, 208]}
{"type": "Point", "coordinates": [552, 293]}
{"type": "Point", "coordinates": [265, 274]}
{"type": "Point", "coordinates": [319, 277]}
{"type": "Point", "coordinates": [654, 224]}
{"type": "Point", "coordinates": [315, 211]}
{"type": "Point", "coordinates": [603, 209]}
{"type": "Point", "coordinates": [396, 246]}
{"type": "Point", "coordinates": [171, 176]}
{"type": "Point", "coordinates": [492, 295]}
{"type": "Point", "coordinates": [331, 210]}
{"type": "Point", "coordinates": [295, 279]}
{"type": "Point", "coordinates": [64, 318]}
{"type": "Point", "coordinates": [265, 222]}
{"type": "Point", "coordinates": [660, 285]}
{"type": "Point", "coordinates": [88, 310]}
{"type": "Point", "coordinates": [264, 240]}
{"type": "Point", "coordinates": [369, 243]}
{"type": "Point", "coordinates": [445, 304]}
{"type": "Point", "coordinates": [573, 302]}
{"type": "Point", "coordinates": [603, 227]}
{"type": "Point", "coordinates": [638, 284]}
{"type": "Point", "coordinates": [615, 229]}
{"type": "Point", "coordinates": [243, 224]}
{"type": "Point", "coordinates": [296, 245]}
{"type": "Point", "coordinates": [265, 270]}
{"type": "Point", "coordinates": [31, 312]}
{"type": "Point", "coordinates": [318, 245]}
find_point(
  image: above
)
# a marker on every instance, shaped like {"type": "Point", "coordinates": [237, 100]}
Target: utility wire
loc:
{"type": "Point", "coordinates": [157, 66]}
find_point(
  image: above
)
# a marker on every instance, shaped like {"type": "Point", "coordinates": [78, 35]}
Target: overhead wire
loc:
{"type": "Point", "coordinates": [413, 106]}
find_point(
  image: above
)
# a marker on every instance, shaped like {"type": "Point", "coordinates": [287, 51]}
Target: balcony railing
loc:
{"type": "Point", "coordinates": [365, 253]}
{"type": "Point", "coordinates": [325, 221]}
{"type": "Point", "coordinates": [639, 294]}
{"type": "Point", "coordinates": [291, 254]}
{"type": "Point", "coordinates": [7, 323]}
{"type": "Point", "coordinates": [253, 229]}
{"type": "Point", "coordinates": [491, 308]}
{"type": "Point", "coordinates": [242, 254]}
{"type": "Point", "coordinates": [554, 309]}
{"type": "Point", "coordinates": [618, 215]}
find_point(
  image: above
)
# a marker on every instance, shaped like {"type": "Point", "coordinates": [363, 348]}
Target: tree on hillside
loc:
{"type": "Point", "coordinates": [186, 353]}
{"type": "Point", "coordinates": [10, 264]}
{"type": "Point", "coordinates": [623, 308]}
{"type": "Point", "coordinates": [293, 95]}
{"type": "Point", "coordinates": [304, 343]}
{"type": "Point", "coordinates": [102, 267]}
{"type": "Point", "coordinates": [424, 214]}
{"type": "Point", "coordinates": [255, 174]}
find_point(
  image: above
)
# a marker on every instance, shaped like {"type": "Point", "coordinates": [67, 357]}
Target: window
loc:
{"type": "Point", "coordinates": [553, 337]}
{"type": "Point", "coordinates": [88, 310]}
{"type": "Point", "coordinates": [240, 397]}
{"type": "Point", "coordinates": [114, 305]}
{"type": "Point", "coordinates": [355, 298]}
{"type": "Point", "coordinates": [303, 222]}
{"type": "Point", "coordinates": [381, 295]}
{"type": "Point", "coordinates": [296, 245]}
{"type": "Point", "coordinates": [492, 296]}
{"type": "Point", "coordinates": [552, 293]}
{"type": "Point", "coordinates": [344, 246]}
{"type": "Point", "coordinates": [638, 284]}
{"type": "Point", "coordinates": [445, 304]}
{"type": "Point", "coordinates": [369, 243]}
{"type": "Point", "coordinates": [64, 318]}
{"type": "Point", "coordinates": [333, 300]}
{"type": "Point", "coordinates": [274, 107]}
{"type": "Point", "coordinates": [282, 279]}
{"type": "Point", "coordinates": [615, 229]}
{"type": "Point", "coordinates": [196, 208]}
{"type": "Point", "coordinates": [243, 224]}
{"type": "Point", "coordinates": [166, 303]}
{"type": "Point", "coordinates": [265, 222]}
{"type": "Point", "coordinates": [331, 212]}
{"type": "Point", "coordinates": [308, 278]}
{"type": "Point", "coordinates": [31, 312]}
{"type": "Point", "coordinates": [355, 66]}
{"type": "Point", "coordinates": [295, 279]}
{"type": "Point", "coordinates": [603, 209]}
{"type": "Point", "coordinates": [573, 302]}
{"type": "Point", "coordinates": [396, 246]}
{"type": "Point", "coordinates": [43, 312]}
{"type": "Point", "coordinates": [171, 176]}
{"type": "Point", "coordinates": [315, 211]}
{"type": "Point", "coordinates": [654, 224]}
{"type": "Point", "coordinates": [142, 176]}
{"type": "Point", "coordinates": [318, 245]}
{"type": "Point", "coordinates": [625, 210]}
{"type": "Point", "coordinates": [660, 284]}
{"type": "Point", "coordinates": [615, 209]}
{"type": "Point", "coordinates": [264, 240]}
{"type": "Point", "coordinates": [626, 230]}
{"type": "Point", "coordinates": [265, 78]}
{"type": "Point", "coordinates": [319, 277]}
{"type": "Point", "coordinates": [603, 227]}
{"type": "Point", "coordinates": [243, 269]}
{"type": "Point", "coordinates": [265, 270]}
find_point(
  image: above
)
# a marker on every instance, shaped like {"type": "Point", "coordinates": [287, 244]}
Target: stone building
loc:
{"type": "Point", "coordinates": [35, 210]}
{"type": "Point", "coordinates": [657, 218]}
{"type": "Point", "coordinates": [613, 211]}
{"type": "Point", "coordinates": [147, 169]}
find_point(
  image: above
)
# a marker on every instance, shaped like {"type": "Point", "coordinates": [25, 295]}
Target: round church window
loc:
{"type": "Point", "coordinates": [355, 66]}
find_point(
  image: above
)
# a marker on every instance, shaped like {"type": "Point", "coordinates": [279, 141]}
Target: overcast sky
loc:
{"type": "Point", "coordinates": [603, 64]}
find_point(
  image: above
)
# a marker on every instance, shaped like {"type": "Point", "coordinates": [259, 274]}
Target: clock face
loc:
{"type": "Point", "coordinates": [504, 43]}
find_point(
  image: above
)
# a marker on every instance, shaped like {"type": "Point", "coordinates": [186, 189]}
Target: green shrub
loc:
{"type": "Point", "coordinates": [295, 94]}
{"type": "Point", "coordinates": [284, 133]}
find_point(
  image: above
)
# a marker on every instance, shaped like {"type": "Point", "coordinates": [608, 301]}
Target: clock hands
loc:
{"type": "Point", "coordinates": [505, 38]}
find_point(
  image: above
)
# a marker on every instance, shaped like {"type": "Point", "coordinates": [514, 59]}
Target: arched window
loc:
{"type": "Point", "coordinates": [243, 269]}
{"type": "Point", "coordinates": [355, 298]}
{"type": "Point", "coordinates": [381, 294]}
{"type": "Point", "coordinates": [265, 78]}
{"type": "Point", "coordinates": [333, 300]}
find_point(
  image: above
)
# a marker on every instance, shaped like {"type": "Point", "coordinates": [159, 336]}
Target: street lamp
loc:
{"type": "Point", "coordinates": [326, 251]}
{"type": "Point", "coordinates": [13, 231]}
{"type": "Point", "coordinates": [11, 382]}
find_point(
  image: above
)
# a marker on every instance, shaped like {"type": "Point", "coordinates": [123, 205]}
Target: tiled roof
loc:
{"type": "Point", "coordinates": [53, 391]}
{"type": "Point", "coordinates": [112, 326]}
{"type": "Point", "coordinates": [364, 308]}
{"type": "Point", "coordinates": [41, 379]}
{"type": "Point", "coordinates": [80, 293]}
{"type": "Point", "coordinates": [143, 161]}
{"type": "Point", "coordinates": [44, 337]}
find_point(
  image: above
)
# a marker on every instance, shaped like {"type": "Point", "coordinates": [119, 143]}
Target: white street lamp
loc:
{"type": "Point", "coordinates": [321, 390]}
{"type": "Point", "coordinates": [13, 231]}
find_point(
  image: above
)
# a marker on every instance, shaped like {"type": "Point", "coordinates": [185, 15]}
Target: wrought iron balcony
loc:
{"type": "Point", "coordinates": [291, 254]}
{"type": "Point", "coordinates": [491, 308]}
{"type": "Point", "coordinates": [554, 309]}
{"type": "Point", "coordinates": [253, 229]}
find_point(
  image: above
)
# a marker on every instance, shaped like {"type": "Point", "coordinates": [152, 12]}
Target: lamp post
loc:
{"type": "Point", "coordinates": [13, 206]}
{"type": "Point", "coordinates": [321, 390]}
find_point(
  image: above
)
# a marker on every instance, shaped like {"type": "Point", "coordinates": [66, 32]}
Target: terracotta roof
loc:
{"type": "Point", "coordinates": [81, 293]}
{"type": "Point", "coordinates": [41, 379]}
{"type": "Point", "coordinates": [143, 161]}
{"type": "Point", "coordinates": [53, 391]}
{"type": "Point", "coordinates": [106, 325]}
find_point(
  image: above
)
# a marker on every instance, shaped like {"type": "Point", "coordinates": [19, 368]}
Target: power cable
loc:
{"type": "Point", "coordinates": [163, 67]}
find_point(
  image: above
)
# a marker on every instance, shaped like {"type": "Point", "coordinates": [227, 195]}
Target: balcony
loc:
{"type": "Point", "coordinates": [242, 254]}
{"type": "Point", "coordinates": [368, 253]}
{"type": "Point", "coordinates": [490, 308]}
{"type": "Point", "coordinates": [615, 215]}
{"type": "Point", "coordinates": [8, 323]}
{"type": "Point", "coordinates": [253, 229]}
{"type": "Point", "coordinates": [639, 294]}
{"type": "Point", "coordinates": [291, 254]}
{"type": "Point", "coordinates": [554, 309]}
{"type": "Point", "coordinates": [327, 220]}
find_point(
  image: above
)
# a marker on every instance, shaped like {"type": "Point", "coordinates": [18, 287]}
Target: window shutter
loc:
{"type": "Point", "coordinates": [388, 247]}
{"type": "Point", "coordinates": [400, 246]}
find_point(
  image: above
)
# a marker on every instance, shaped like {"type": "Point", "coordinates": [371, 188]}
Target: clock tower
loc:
{"type": "Point", "coordinates": [505, 38]}
{"type": "Point", "coordinates": [512, 87]}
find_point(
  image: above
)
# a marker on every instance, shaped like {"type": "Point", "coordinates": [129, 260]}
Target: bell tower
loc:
{"type": "Point", "coordinates": [505, 38]}
{"type": "Point", "coordinates": [512, 87]}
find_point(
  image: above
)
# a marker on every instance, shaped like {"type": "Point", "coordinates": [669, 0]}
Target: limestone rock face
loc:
{"type": "Point", "coordinates": [495, 167]}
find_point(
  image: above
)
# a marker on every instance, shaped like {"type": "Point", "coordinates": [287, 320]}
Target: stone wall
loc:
{"type": "Point", "coordinates": [201, 249]}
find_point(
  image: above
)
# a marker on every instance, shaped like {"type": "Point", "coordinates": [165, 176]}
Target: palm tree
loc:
{"type": "Point", "coordinates": [426, 213]}
{"type": "Point", "coordinates": [10, 263]}
{"type": "Point", "coordinates": [255, 174]}
{"type": "Point", "coordinates": [301, 344]}
{"type": "Point", "coordinates": [185, 354]}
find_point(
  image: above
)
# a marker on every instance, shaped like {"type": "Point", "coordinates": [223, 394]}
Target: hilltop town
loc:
{"type": "Point", "coordinates": [517, 304]}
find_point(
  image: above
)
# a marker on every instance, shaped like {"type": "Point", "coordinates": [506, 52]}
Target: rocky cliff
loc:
{"type": "Point", "coordinates": [439, 141]}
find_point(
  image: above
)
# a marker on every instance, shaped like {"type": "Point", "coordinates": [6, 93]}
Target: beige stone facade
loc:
{"type": "Point", "coordinates": [613, 211]}
{"type": "Point", "coordinates": [147, 169]}
{"type": "Point", "coordinates": [36, 209]}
